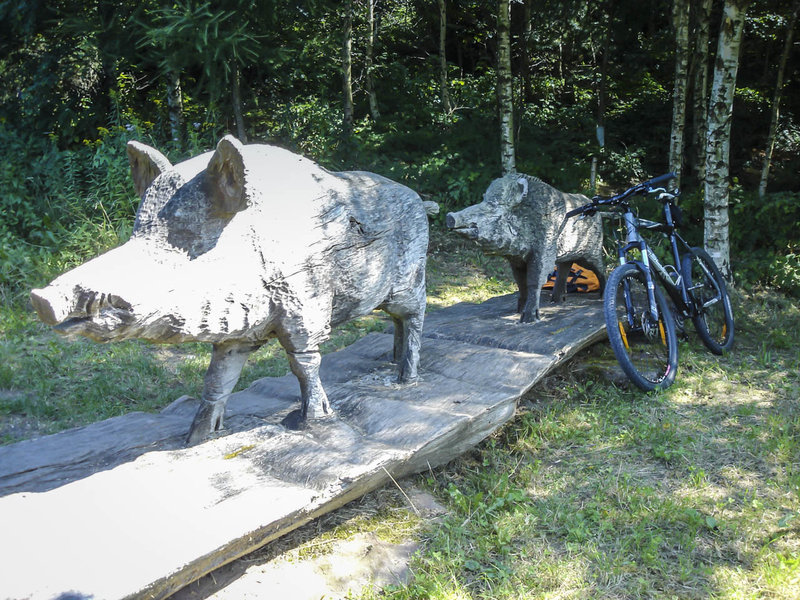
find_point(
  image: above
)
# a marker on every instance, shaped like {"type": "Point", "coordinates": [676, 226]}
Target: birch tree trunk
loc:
{"type": "Point", "coordinates": [237, 105]}
{"type": "Point", "coordinates": [776, 101]}
{"type": "Point", "coordinates": [504, 87]}
{"type": "Point", "coordinates": [600, 91]}
{"type": "Point", "coordinates": [372, 37]}
{"type": "Point", "coordinates": [175, 105]}
{"type": "Point", "coordinates": [720, 109]}
{"type": "Point", "coordinates": [702, 28]}
{"type": "Point", "coordinates": [680, 17]}
{"type": "Point", "coordinates": [347, 69]}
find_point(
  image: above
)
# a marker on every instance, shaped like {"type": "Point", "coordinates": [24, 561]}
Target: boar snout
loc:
{"type": "Point", "coordinates": [55, 307]}
{"type": "Point", "coordinates": [456, 220]}
{"type": "Point", "coordinates": [51, 305]}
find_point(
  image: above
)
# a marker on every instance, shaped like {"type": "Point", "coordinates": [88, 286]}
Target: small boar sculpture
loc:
{"type": "Point", "coordinates": [248, 243]}
{"type": "Point", "coordinates": [523, 219]}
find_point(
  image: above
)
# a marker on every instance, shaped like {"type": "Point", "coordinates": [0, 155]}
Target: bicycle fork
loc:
{"type": "Point", "coordinates": [635, 241]}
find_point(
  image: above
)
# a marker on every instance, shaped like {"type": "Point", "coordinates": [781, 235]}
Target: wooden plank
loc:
{"type": "Point", "coordinates": [118, 510]}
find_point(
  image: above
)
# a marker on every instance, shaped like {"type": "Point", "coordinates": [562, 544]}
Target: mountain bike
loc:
{"type": "Point", "coordinates": [639, 320]}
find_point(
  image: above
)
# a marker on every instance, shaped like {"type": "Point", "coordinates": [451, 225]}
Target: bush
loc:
{"type": "Point", "coordinates": [60, 207]}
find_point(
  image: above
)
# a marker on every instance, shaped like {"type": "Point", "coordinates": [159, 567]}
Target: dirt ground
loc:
{"type": "Point", "coordinates": [326, 559]}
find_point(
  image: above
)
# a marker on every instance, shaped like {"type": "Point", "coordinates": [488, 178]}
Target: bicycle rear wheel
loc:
{"type": "Point", "coordinates": [646, 348]}
{"type": "Point", "coordinates": [706, 285]}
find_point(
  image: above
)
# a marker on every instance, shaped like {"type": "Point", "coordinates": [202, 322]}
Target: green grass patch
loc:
{"type": "Point", "coordinates": [596, 490]}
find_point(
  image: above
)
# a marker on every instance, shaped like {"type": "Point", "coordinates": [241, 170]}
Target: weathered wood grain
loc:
{"type": "Point", "coordinates": [117, 510]}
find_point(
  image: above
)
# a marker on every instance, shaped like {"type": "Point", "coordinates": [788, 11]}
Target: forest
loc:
{"type": "Point", "coordinates": [588, 96]}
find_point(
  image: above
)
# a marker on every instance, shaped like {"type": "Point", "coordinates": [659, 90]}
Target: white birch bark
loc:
{"type": "Point", "coordinates": [680, 16]}
{"type": "Point", "coordinates": [504, 87]}
{"type": "Point", "coordinates": [776, 101]}
{"type": "Point", "coordinates": [702, 28]}
{"type": "Point", "coordinates": [720, 109]}
{"type": "Point", "coordinates": [175, 104]}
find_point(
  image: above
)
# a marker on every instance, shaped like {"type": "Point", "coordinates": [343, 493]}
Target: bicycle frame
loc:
{"type": "Point", "coordinates": [649, 264]}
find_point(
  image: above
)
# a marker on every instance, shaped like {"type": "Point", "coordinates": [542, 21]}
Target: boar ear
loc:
{"type": "Point", "coordinates": [146, 164]}
{"type": "Point", "coordinates": [523, 186]}
{"type": "Point", "coordinates": [226, 175]}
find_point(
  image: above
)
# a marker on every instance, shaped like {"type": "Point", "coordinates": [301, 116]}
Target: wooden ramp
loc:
{"type": "Point", "coordinates": [118, 510]}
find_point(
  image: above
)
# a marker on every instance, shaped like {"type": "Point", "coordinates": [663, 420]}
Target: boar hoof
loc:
{"type": "Point", "coordinates": [529, 316]}
{"type": "Point", "coordinates": [207, 420]}
{"type": "Point", "coordinates": [297, 421]}
{"type": "Point", "coordinates": [407, 378]}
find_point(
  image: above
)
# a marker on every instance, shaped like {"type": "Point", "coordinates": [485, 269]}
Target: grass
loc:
{"type": "Point", "coordinates": [593, 491]}
{"type": "Point", "coordinates": [598, 491]}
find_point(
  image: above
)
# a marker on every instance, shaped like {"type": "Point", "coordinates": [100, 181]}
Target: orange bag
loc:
{"type": "Point", "coordinates": [580, 280]}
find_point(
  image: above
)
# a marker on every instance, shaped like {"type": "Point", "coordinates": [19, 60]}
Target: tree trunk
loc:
{"type": "Point", "coordinates": [776, 101]}
{"type": "Point", "coordinates": [680, 16]}
{"type": "Point", "coordinates": [445, 94]}
{"type": "Point", "coordinates": [237, 105]}
{"type": "Point", "coordinates": [527, 31]}
{"type": "Point", "coordinates": [175, 105]}
{"type": "Point", "coordinates": [347, 68]}
{"type": "Point", "coordinates": [504, 87]}
{"type": "Point", "coordinates": [600, 130]}
{"type": "Point", "coordinates": [372, 37]}
{"type": "Point", "coordinates": [720, 109]}
{"type": "Point", "coordinates": [700, 55]}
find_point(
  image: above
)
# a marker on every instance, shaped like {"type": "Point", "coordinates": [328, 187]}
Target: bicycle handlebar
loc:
{"type": "Point", "coordinates": [639, 188]}
{"type": "Point", "coordinates": [659, 180]}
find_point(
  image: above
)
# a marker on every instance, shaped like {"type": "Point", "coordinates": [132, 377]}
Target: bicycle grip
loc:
{"type": "Point", "coordinates": [659, 180]}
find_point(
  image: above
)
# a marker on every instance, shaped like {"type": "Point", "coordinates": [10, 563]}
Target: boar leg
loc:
{"type": "Point", "coordinates": [407, 310]}
{"type": "Point", "coordinates": [226, 365]}
{"type": "Point", "coordinates": [539, 265]}
{"type": "Point", "coordinates": [560, 286]}
{"type": "Point", "coordinates": [399, 339]}
{"type": "Point", "coordinates": [305, 366]}
{"type": "Point", "coordinates": [412, 339]}
{"type": "Point", "coordinates": [520, 272]}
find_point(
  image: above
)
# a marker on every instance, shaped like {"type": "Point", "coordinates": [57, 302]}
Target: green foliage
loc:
{"type": "Point", "coordinates": [61, 207]}
{"type": "Point", "coordinates": [764, 238]}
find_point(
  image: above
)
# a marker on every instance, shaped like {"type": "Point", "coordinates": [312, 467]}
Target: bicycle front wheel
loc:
{"type": "Point", "coordinates": [646, 347]}
{"type": "Point", "coordinates": [714, 318]}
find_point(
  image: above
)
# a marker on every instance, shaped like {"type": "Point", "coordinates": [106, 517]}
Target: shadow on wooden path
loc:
{"type": "Point", "coordinates": [118, 509]}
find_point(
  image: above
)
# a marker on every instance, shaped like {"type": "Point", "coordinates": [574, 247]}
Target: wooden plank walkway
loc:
{"type": "Point", "coordinates": [118, 509]}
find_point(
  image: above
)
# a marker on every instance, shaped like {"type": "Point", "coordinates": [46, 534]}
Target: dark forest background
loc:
{"type": "Point", "coordinates": [80, 79]}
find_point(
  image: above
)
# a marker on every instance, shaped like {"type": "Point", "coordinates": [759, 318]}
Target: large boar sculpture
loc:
{"type": "Point", "coordinates": [248, 243]}
{"type": "Point", "coordinates": [523, 219]}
